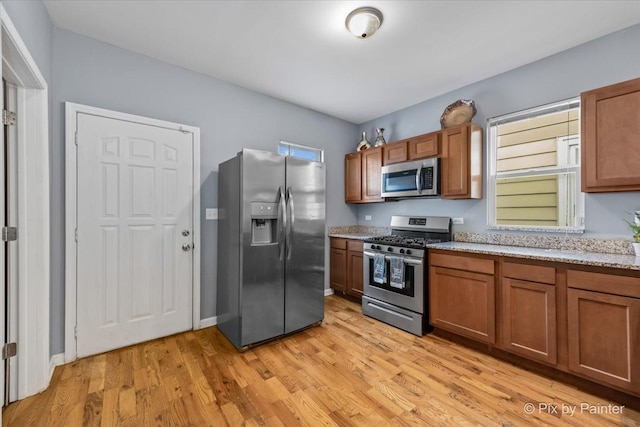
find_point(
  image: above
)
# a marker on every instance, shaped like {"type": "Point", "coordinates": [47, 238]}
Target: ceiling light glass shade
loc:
{"type": "Point", "coordinates": [364, 21]}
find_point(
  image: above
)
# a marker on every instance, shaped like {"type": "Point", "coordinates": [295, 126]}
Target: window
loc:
{"type": "Point", "coordinates": [534, 169]}
{"type": "Point", "coordinates": [300, 151]}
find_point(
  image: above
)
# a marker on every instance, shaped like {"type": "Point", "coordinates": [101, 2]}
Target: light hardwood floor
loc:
{"type": "Point", "coordinates": [350, 371]}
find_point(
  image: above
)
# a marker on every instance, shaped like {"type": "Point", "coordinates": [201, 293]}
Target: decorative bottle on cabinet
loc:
{"type": "Point", "coordinates": [364, 143]}
{"type": "Point", "coordinates": [379, 138]}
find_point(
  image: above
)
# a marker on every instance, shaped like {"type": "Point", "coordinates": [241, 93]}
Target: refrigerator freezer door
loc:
{"type": "Point", "coordinates": [304, 265]}
{"type": "Point", "coordinates": [262, 289]}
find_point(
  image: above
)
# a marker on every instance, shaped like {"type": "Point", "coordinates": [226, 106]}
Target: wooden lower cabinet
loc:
{"type": "Point", "coordinates": [529, 319]}
{"type": "Point", "coordinates": [462, 301]}
{"type": "Point", "coordinates": [346, 268]}
{"type": "Point", "coordinates": [338, 269]}
{"type": "Point", "coordinates": [355, 268]}
{"type": "Point", "coordinates": [582, 321]}
{"type": "Point", "coordinates": [604, 337]}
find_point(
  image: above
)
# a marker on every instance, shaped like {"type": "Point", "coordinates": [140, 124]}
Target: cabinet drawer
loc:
{"type": "Point", "coordinates": [462, 262]}
{"type": "Point", "coordinates": [395, 153]}
{"type": "Point", "coordinates": [355, 245]}
{"type": "Point", "coordinates": [532, 273]}
{"type": "Point", "coordinates": [607, 283]}
{"type": "Point", "coordinates": [338, 243]}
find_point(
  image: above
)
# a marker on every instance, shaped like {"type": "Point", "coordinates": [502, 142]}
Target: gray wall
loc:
{"type": "Point", "coordinates": [32, 22]}
{"type": "Point", "coordinates": [604, 61]}
{"type": "Point", "coordinates": [94, 73]}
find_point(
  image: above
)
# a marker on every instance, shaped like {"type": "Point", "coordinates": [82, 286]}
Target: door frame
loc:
{"type": "Point", "coordinates": [71, 207]}
{"type": "Point", "coordinates": [33, 204]}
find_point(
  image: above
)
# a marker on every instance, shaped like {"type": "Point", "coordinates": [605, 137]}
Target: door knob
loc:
{"type": "Point", "coordinates": [186, 247]}
{"type": "Point", "coordinates": [185, 233]}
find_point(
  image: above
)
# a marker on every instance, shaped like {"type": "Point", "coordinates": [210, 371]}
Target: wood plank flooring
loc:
{"type": "Point", "coordinates": [350, 371]}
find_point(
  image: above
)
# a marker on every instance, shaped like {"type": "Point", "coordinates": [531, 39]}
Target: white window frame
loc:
{"type": "Point", "coordinates": [563, 159]}
{"type": "Point", "coordinates": [305, 147]}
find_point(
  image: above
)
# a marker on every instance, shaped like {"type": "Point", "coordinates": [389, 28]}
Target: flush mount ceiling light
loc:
{"type": "Point", "coordinates": [363, 22]}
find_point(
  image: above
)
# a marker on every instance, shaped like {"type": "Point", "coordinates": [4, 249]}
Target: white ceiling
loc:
{"type": "Point", "coordinates": [301, 52]}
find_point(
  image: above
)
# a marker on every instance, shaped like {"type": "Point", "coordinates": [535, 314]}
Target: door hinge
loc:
{"type": "Point", "coordinates": [75, 332]}
{"type": "Point", "coordinates": [9, 234]}
{"type": "Point", "coordinates": [76, 234]}
{"type": "Point", "coordinates": [10, 349]}
{"type": "Point", "coordinates": [76, 137]}
{"type": "Point", "coordinates": [8, 118]}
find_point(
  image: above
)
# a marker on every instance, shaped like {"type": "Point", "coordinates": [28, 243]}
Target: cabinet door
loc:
{"type": "Point", "coordinates": [604, 342]}
{"type": "Point", "coordinates": [355, 280]}
{"type": "Point", "coordinates": [610, 138]}
{"type": "Point", "coordinates": [455, 162]}
{"type": "Point", "coordinates": [338, 269]}
{"type": "Point", "coordinates": [394, 153]}
{"type": "Point", "coordinates": [371, 174]}
{"type": "Point", "coordinates": [353, 178]}
{"type": "Point", "coordinates": [423, 146]}
{"type": "Point", "coordinates": [529, 319]}
{"type": "Point", "coordinates": [463, 302]}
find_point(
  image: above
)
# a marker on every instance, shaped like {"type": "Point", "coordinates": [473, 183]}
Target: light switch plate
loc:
{"type": "Point", "coordinates": [367, 217]}
{"type": "Point", "coordinates": [457, 220]}
{"type": "Point", "coordinates": [211, 213]}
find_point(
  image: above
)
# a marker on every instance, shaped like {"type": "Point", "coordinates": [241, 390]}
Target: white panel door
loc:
{"type": "Point", "coordinates": [134, 278]}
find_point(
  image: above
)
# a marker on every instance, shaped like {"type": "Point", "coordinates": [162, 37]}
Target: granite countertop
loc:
{"type": "Point", "coordinates": [596, 259]}
{"type": "Point", "coordinates": [357, 232]}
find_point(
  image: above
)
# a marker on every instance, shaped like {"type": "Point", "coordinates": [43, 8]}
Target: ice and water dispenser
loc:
{"type": "Point", "coordinates": [264, 223]}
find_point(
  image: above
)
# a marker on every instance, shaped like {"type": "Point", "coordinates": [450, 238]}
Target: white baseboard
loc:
{"type": "Point", "coordinates": [209, 321]}
{"type": "Point", "coordinates": [55, 360]}
{"type": "Point", "coordinates": [328, 292]}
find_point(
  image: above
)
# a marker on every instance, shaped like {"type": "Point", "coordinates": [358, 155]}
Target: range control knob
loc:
{"type": "Point", "coordinates": [401, 251]}
{"type": "Point", "coordinates": [390, 249]}
{"type": "Point", "coordinates": [376, 247]}
{"type": "Point", "coordinates": [408, 251]}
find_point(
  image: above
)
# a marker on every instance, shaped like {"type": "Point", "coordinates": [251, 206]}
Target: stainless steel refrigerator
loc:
{"type": "Point", "coordinates": [270, 246]}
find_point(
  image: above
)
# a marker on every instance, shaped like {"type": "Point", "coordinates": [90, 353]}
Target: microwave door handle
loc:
{"type": "Point", "coordinates": [419, 180]}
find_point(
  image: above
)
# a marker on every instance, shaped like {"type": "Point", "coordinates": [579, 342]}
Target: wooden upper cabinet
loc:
{"type": "Point", "coordinates": [423, 146]}
{"type": "Point", "coordinates": [362, 176]}
{"type": "Point", "coordinates": [461, 174]}
{"type": "Point", "coordinates": [414, 148]}
{"type": "Point", "coordinates": [371, 174]}
{"type": "Point", "coordinates": [353, 178]}
{"type": "Point", "coordinates": [395, 152]}
{"type": "Point", "coordinates": [611, 138]}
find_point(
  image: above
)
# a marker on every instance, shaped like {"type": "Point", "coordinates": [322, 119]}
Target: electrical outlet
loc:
{"type": "Point", "coordinates": [211, 213]}
{"type": "Point", "coordinates": [367, 217]}
{"type": "Point", "coordinates": [457, 220]}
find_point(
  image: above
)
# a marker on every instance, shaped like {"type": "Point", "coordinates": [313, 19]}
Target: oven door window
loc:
{"type": "Point", "coordinates": [399, 181]}
{"type": "Point", "coordinates": [409, 279]}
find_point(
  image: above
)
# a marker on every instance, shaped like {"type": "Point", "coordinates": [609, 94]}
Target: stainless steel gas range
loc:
{"type": "Point", "coordinates": [396, 287]}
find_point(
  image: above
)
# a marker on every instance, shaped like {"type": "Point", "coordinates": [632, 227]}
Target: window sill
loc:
{"type": "Point", "coordinates": [563, 230]}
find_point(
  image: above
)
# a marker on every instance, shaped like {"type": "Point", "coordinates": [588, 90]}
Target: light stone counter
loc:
{"type": "Point", "coordinates": [596, 259]}
{"type": "Point", "coordinates": [358, 232]}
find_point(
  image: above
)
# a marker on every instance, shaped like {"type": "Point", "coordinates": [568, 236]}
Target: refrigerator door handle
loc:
{"type": "Point", "coordinates": [290, 222]}
{"type": "Point", "coordinates": [282, 224]}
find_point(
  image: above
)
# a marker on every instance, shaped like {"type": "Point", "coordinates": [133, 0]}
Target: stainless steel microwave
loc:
{"type": "Point", "coordinates": [419, 178]}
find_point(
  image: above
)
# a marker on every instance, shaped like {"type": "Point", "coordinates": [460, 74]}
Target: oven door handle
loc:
{"type": "Point", "coordinates": [410, 261]}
